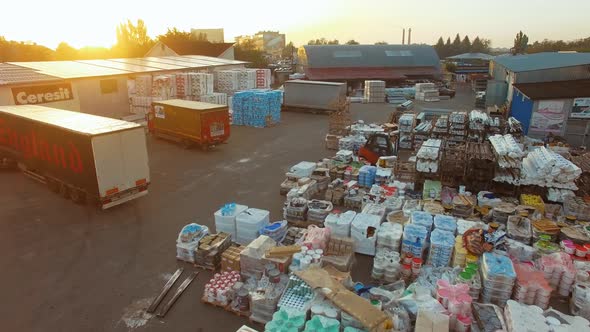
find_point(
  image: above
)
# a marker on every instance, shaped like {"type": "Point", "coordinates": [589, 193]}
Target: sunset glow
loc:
{"type": "Point", "coordinates": [82, 24]}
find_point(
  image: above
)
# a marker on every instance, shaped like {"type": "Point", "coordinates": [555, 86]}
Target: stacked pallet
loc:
{"type": "Point", "coordinates": [509, 157]}
{"type": "Point", "coordinates": [428, 157]}
{"type": "Point", "coordinates": [263, 78]}
{"type": "Point", "coordinates": [457, 127]}
{"type": "Point", "coordinates": [200, 84]}
{"type": "Point", "coordinates": [480, 165]}
{"type": "Point", "coordinates": [211, 247]}
{"type": "Point", "coordinates": [219, 98]}
{"type": "Point", "coordinates": [374, 92]}
{"type": "Point", "coordinates": [406, 126]}
{"type": "Point", "coordinates": [227, 81]}
{"type": "Point", "coordinates": [256, 108]}
{"type": "Point", "coordinates": [338, 124]}
{"type": "Point", "coordinates": [453, 164]}
{"type": "Point", "coordinates": [427, 92]}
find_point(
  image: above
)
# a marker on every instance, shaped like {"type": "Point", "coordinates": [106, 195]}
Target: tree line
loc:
{"type": "Point", "coordinates": [132, 41]}
{"type": "Point", "coordinates": [460, 46]}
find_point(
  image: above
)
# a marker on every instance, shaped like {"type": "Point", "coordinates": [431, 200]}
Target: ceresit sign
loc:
{"type": "Point", "coordinates": [42, 94]}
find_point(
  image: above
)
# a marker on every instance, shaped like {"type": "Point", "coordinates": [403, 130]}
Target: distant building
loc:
{"type": "Point", "coordinates": [538, 67]}
{"type": "Point", "coordinates": [218, 50]}
{"type": "Point", "coordinates": [271, 42]}
{"type": "Point", "coordinates": [210, 35]}
{"type": "Point", "coordinates": [356, 63]}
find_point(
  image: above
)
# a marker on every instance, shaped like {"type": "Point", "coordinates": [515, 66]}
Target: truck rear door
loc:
{"type": "Point", "coordinates": [215, 126]}
{"type": "Point", "coordinates": [122, 167]}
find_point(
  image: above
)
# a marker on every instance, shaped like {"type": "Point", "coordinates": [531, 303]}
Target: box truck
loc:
{"type": "Point", "coordinates": [82, 157]}
{"type": "Point", "coordinates": [313, 96]}
{"type": "Point", "coordinates": [189, 122]}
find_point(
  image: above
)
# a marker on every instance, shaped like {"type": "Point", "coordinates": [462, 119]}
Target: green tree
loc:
{"type": "Point", "coordinates": [455, 46]}
{"type": "Point", "coordinates": [289, 50]}
{"type": "Point", "coordinates": [450, 67]}
{"type": "Point", "coordinates": [334, 42]}
{"type": "Point", "coordinates": [323, 41]}
{"type": "Point", "coordinates": [440, 48]}
{"type": "Point", "coordinates": [65, 52]}
{"type": "Point", "coordinates": [381, 43]}
{"type": "Point", "coordinates": [247, 51]}
{"type": "Point", "coordinates": [132, 39]}
{"type": "Point", "coordinates": [521, 42]}
{"type": "Point", "coordinates": [465, 45]}
{"type": "Point", "coordinates": [352, 42]}
{"type": "Point", "coordinates": [175, 35]}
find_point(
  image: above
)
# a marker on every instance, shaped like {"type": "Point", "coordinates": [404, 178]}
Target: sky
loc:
{"type": "Point", "coordinates": [81, 24]}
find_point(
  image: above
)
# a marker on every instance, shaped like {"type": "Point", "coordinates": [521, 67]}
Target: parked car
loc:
{"type": "Point", "coordinates": [446, 92]}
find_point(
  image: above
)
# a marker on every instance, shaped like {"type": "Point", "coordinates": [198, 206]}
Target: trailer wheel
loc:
{"type": "Point", "coordinates": [77, 196]}
{"type": "Point", "coordinates": [186, 143]}
{"type": "Point", "coordinates": [64, 191]}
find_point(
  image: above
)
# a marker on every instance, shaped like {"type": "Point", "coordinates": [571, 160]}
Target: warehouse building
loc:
{"type": "Point", "coordinates": [98, 87]}
{"type": "Point", "coordinates": [467, 64]}
{"type": "Point", "coordinates": [533, 68]}
{"type": "Point", "coordinates": [559, 107]}
{"type": "Point", "coordinates": [356, 63]}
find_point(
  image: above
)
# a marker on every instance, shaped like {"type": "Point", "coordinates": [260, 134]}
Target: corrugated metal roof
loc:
{"type": "Point", "coordinates": [110, 67]}
{"type": "Point", "coordinates": [11, 74]}
{"type": "Point", "coordinates": [545, 60]}
{"type": "Point", "coordinates": [555, 89]}
{"type": "Point", "coordinates": [342, 56]}
{"type": "Point", "coordinates": [74, 121]}
{"type": "Point", "coordinates": [367, 73]}
{"type": "Point", "coordinates": [472, 56]}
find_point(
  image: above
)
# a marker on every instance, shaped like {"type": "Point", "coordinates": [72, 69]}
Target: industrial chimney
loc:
{"type": "Point", "coordinates": [409, 36]}
{"type": "Point", "coordinates": [403, 36]}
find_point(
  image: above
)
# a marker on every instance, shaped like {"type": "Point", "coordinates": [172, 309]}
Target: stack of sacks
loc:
{"type": "Point", "coordinates": [286, 319]}
{"type": "Point", "coordinates": [441, 248]}
{"type": "Point", "coordinates": [386, 266]}
{"type": "Point", "coordinates": [522, 317]}
{"type": "Point", "coordinates": [164, 87]}
{"type": "Point", "coordinates": [498, 278]}
{"type": "Point", "coordinates": [263, 78]}
{"type": "Point", "coordinates": [374, 92]}
{"type": "Point", "coordinates": [256, 108]}
{"type": "Point", "coordinates": [478, 120]}
{"type": "Point", "coordinates": [559, 195]}
{"type": "Point", "coordinates": [382, 176]}
{"type": "Point", "coordinates": [531, 286]}
{"type": "Point", "coordinates": [427, 157]}
{"type": "Point", "coordinates": [509, 153]}
{"type": "Point", "coordinates": [389, 236]}
{"type": "Point", "coordinates": [367, 176]}
{"type": "Point", "coordinates": [352, 143]}
{"type": "Point", "coordinates": [375, 209]}
{"type": "Point", "coordinates": [227, 81]}
{"type": "Point", "coordinates": [339, 223]}
{"type": "Point", "coordinates": [423, 219]}
{"type": "Point", "coordinates": [414, 240]}
{"type": "Point", "coordinates": [225, 218]}
{"type": "Point", "coordinates": [251, 258]}
{"type": "Point", "coordinates": [182, 85]}
{"type": "Point", "coordinates": [143, 85]}
{"type": "Point", "coordinates": [445, 223]}
{"type": "Point", "coordinates": [559, 270]}
{"type": "Point", "coordinates": [364, 232]}
{"type": "Point", "coordinates": [321, 323]}
{"type": "Point", "coordinates": [188, 240]}
{"type": "Point", "coordinates": [456, 299]}
{"type": "Point", "coordinates": [247, 79]}
{"type": "Point", "coordinates": [316, 238]}
{"type": "Point", "coordinates": [460, 253]}
{"type": "Point", "coordinates": [200, 84]}
{"type": "Point", "coordinates": [545, 168]}
{"type": "Point", "coordinates": [249, 223]}
{"type": "Point", "coordinates": [276, 230]}
{"type": "Point", "coordinates": [219, 98]}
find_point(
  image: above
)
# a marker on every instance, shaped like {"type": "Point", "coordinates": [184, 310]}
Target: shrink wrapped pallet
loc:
{"type": "Point", "coordinates": [256, 108]}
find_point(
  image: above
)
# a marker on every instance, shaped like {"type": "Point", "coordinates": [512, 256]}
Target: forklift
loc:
{"type": "Point", "coordinates": [378, 145]}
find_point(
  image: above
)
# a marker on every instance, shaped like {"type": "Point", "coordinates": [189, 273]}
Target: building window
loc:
{"type": "Point", "coordinates": [348, 54]}
{"type": "Point", "coordinates": [398, 53]}
{"type": "Point", "coordinates": [108, 86]}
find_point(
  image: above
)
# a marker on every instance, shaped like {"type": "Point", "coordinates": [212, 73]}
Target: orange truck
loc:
{"type": "Point", "coordinates": [189, 122]}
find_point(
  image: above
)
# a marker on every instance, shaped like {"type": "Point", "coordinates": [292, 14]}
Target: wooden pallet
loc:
{"type": "Point", "coordinates": [204, 267]}
{"type": "Point", "coordinates": [215, 304]}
